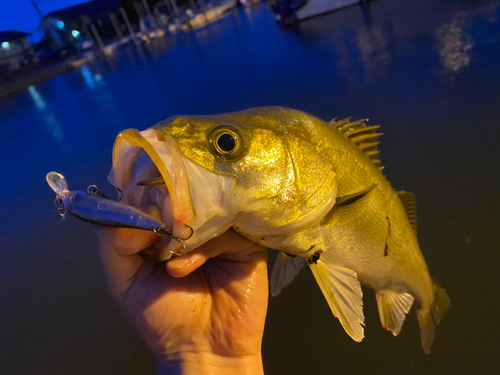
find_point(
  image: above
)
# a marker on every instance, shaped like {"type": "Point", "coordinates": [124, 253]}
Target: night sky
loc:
{"type": "Point", "coordinates": [20, 14]}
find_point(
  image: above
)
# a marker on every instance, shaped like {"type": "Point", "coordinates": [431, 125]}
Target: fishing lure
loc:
{"type": "Point", "coordinates": [94, 207]}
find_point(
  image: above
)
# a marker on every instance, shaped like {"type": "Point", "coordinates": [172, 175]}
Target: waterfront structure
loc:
{"type": "Point", "coordinates": [15, 51]}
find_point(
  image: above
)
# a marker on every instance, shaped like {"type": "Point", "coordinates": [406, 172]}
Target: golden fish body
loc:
{"type": "Point", "coordinates": [292, 182]}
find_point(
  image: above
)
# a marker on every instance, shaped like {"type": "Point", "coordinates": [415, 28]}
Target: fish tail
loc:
{"type": "Point", "coordinates": [431, 316]}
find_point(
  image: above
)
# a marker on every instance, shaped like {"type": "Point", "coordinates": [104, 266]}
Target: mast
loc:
{"type": "Point", "coordinates": [35, 5]}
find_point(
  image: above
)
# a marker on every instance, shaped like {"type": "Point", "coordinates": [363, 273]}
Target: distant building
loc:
{"type": "Point", "coordinates": [15, 51]}
{"type": "Point", "coordinates": [68, 29]}
{"type": "Point", "coordinates": [57, 34]}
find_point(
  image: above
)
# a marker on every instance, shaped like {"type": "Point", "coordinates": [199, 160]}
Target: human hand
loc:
{"type": "Point", "coordinates": [200, 313]}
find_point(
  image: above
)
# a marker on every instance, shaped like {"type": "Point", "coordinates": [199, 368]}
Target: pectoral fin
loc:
{"type": "Point", "coordinates": [342, 290]}
{"type": "Point", "coordinates": [392, 308]}
{"type": "Point", "coordinates": [285, 269]}
{"type": "Point", "coordinates": [343, 199]}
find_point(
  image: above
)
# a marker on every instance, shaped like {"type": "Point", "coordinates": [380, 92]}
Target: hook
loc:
{"type": "Point", "coordinates": [190, 235]}
{"type": "Point", "coordinates": [164, 232]}
{"type": "Point", "coordinates": [182, 252]}
{"type": "Point", "coordinates": [61, 210]}
{"type": "Point", "coordinates": [94, 190]}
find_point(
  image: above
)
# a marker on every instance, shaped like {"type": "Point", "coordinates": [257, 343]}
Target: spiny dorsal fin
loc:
{"type": "Point", "coordinates": [363, 136]}
{"type": "Point", "coordinates": [410, 205]}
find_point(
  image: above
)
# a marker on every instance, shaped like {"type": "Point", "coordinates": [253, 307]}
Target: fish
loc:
{"type": "Point", "coordinates": [313, 190]}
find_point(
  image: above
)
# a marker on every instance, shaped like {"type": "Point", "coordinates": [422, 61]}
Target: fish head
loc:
{"type": "Point", "coordinates": [258, 171]}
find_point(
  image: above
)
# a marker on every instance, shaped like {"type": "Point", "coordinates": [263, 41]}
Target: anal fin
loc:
{"type": "Point", "coordinates": [285, 269]}
{"type": "Point", "coordinates": [392, 308]}
{"type": "Point", "coordinates": [342, 290]}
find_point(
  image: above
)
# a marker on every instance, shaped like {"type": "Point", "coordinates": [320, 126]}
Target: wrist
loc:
{"type": "Point", "coordinates": [209, 363]}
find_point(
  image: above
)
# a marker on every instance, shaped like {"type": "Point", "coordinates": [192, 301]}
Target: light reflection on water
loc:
{"type": "Point", "coordinates": [454, 44]}
{"type": "Point", "coordinates": [54, 127]}
{"type": "Point", "coordinates": [37, 98]}
{"type": "Point", "coordinates": [92, 80]}
{"type": "Point", "coordinates": [374, 54]}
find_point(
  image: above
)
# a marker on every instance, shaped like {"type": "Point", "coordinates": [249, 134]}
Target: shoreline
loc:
{"type": "Point", "coordinates": [38, 76]}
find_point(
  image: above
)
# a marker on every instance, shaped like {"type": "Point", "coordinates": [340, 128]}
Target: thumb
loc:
{"type": "Point", "coordinates": [231, 244]}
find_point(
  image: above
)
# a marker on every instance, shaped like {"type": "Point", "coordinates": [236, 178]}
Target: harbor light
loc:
{"type": "Point", "coordinates": [60, 24]}
{"type": "Point", "coordinates": [75, 33]}
{"type": "Point", "coordinates": [5, 45]}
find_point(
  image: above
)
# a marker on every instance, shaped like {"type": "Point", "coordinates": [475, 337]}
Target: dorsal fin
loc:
{"type": "Point", "coordinates": [410, 205]}
{"type": "Point", "coordinates": [363, 136]}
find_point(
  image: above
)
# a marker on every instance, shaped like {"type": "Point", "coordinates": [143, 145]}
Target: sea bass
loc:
{"type": "Point", "coordinates": [289, 181]}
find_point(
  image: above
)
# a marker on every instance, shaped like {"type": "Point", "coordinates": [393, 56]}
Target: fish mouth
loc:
{"type": "Point", "coordinates": [154, 155]}
{"type": "Point", "coordinates": [149, 169]}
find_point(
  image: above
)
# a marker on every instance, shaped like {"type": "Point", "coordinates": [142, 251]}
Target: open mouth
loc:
{"type": "Point", "coordinates": [148, 168]}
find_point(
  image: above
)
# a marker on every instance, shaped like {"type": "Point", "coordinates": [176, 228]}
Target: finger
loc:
{"type": "Point", "coordinates": [119, 252]}
{"type": "Point", "coordinates": [231, 244]}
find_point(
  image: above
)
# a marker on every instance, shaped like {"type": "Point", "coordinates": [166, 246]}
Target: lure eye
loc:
{"type": "Point", "coordinates": [227, 142]}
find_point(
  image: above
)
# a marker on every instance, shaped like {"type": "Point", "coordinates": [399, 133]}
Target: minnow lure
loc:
{"type": "Point", "coordinates": [94, 207]}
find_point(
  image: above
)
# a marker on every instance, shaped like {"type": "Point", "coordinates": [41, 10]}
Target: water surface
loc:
{"type": "Point", "coordinates": [427, 71]}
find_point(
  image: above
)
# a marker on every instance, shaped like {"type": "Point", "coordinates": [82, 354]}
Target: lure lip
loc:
{"type": "Point", "coordinates": [57, 182]}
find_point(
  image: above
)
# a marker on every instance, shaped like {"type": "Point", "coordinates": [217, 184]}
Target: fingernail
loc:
{"type": "Point", "coordinates": [179, 262]}
{"type": "Point", "coordinates": [185, 261]}
{"type": "Point", "coordinates": [194, 259]}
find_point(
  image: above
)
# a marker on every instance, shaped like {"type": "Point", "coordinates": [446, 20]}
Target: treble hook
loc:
{"type": "Point", "coordinates": [163, 232]}
{"type": "Point", "coordinates": [61, 210]}
{"type": "Point", "coordinates": [190, 235]}
{"type": "Point", "coordinates": [183, 249]}
{"type": "Point", "coordinates": [94, 190]}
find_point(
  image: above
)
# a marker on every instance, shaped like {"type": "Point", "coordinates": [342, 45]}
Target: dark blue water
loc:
{"type": "Point", "coordinates": [427, 71]}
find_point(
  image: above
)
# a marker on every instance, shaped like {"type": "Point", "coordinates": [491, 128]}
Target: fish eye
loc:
{"type": "Point", "coordinates": [226, 141]}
